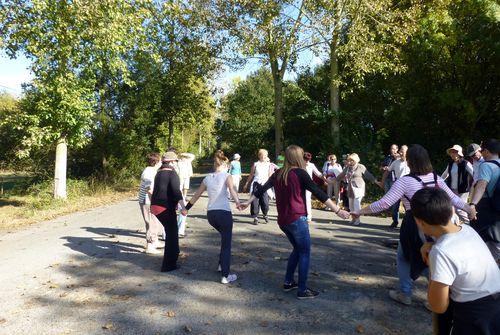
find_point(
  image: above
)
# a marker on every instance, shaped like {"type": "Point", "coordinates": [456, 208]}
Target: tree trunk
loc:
{"type": "Point", "coordinates": [199, 145]}
{"type": "Point", "coordinates": [334, 95]}
{"type": "Point", "coordinates": [278, 105]}
{"type": "Point", "coordinates": [60, 169]}
{"type": "Point", "coordinates": [170, 133]}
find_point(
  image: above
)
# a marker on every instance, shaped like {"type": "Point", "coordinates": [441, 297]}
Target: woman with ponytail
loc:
{"type": "Point", "coordinates": [290, 184]}
{"type": "Point", "coordinates": [219, 213]}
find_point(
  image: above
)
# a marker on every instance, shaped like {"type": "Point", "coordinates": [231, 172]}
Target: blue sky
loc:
{"type": "Point", "coordinates": [14, 72]}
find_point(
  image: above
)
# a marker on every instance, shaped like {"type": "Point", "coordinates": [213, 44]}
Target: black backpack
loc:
{"type": "Point", "coordinates": [495, 195]}
{"type": "Point", "coordinates": [424, 184]}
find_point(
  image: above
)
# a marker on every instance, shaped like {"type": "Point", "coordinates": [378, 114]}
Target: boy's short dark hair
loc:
{"type": "Point", "coordinates": [432, 205]}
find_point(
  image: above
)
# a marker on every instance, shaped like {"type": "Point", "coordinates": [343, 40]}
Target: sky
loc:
{"type": "Point", "coordinates": [14, 72]}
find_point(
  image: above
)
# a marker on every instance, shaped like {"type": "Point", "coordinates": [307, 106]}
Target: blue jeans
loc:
{"type": "Point", "coordinates": [403, 267]}
{"type": "Point", "coordinates": [222, 221]}
{"type": "Point", "coordinates": [298, 234]}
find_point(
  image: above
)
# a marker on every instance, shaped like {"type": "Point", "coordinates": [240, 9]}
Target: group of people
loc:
{"type": "Point", "coordinates": [460, 260]}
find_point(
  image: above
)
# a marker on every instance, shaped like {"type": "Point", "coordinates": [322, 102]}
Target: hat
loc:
{"type": "Point", "coordinates": [169, 156]}
{"type": "Point", "coordinates": [457, 148]}
{"type": "Point", "coordinates": [472, 149]}
{"type": "Point", "coordinates": [492, 145]}
{"type": "Point", "coordinates": [236, 156]}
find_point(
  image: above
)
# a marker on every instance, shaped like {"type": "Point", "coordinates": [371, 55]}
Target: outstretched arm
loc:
{"type": "Point", "coordinates": [249, 179]}
{"type": "Point", "coordinates": [196, 195]}
{"type": "Point", "coordinates": [234, 194]}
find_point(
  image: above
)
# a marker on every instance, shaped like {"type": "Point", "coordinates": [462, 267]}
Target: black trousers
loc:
{"type": "Point", "coordinates": [478, 317]}
{"type": "Point", "coordinates": [171, 253]}
{"type": "Point", "coordinates": [262, 202]}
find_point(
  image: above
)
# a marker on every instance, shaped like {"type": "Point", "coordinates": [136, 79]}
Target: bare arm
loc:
{"type": "Point", "coordinates": [478, 192]}
{"type": "Point", "coordinates": [198, 193]}
{"type": "Point", "coordinates": [230, 186]}
{"type": "Point", "coordinates": [250, 178]}
{"type": "Point", "coordinates": [438, 295]}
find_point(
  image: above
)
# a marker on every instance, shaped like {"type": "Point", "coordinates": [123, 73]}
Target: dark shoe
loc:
{"type": "Point", "coordinates": [307, 294]}
{"type": "Point", "coordinates": [171, 268]}
{"type": "Point", "coordinates": [394, 225]}
{"type": "Point", "coordinates": [266, 219]}
{"type": "Point", "coordinates": [255, 221]}
{"type": "Point", "coordinates": [289, 287]}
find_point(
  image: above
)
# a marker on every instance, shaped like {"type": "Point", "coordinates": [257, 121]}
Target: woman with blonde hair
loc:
{"type": "Point", "coordinates": [290, 184]}
{"type": "Point", "coordinates": [259, 174]}
{"type": "Point", "coordinates": [219, 213]}
{"type": "Point", "coordinates": [355, 174]}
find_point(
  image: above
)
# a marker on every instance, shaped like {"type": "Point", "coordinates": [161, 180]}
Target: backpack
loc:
{"type": "Point", "coordinates": [424, 184]}
{"type": "Point", "coordinates": [495, 195]}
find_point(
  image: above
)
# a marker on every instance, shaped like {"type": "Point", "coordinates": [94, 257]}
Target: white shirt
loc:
{"type": "Point", "coordinates": [329, 169]}
{"type": "Point", "coordinates": [185, 166]}
{"type": "Point", "coordinates": [462, 261]}
{"type": "Point", "coordinates": [400, 168]}
{"type": "Point", "coordinates": [454, 174]}
{"type": "Point", "coordinates": [311, 168]}
{"type": "Point", "coordinates": [147, 180]}
{"type": "Point", "coordinates": [261, 172]}
{"type": "Point", "coordinates": [217, 191]}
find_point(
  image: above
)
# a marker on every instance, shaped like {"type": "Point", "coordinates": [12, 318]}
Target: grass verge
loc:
{"type": "Point", "coordinates": [27, 203]}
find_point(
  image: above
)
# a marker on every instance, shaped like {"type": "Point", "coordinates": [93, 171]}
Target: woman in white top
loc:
{"type": "Point", "coordinates": [331, 169]}
{"type": "Point", "coordinates": [260, 173]}
{"type": "Point", "coordinates": [311, 169]}
{"type": "Point", "coordinates": [219, 214]}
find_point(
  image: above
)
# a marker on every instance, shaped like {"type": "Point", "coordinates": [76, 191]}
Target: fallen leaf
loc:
{"type": "Point", "coordinates": [359, 279]}
{"type": "Point", "coordinates": [53, 286]}
{"type": "Point", "coordinates": [264, 323]}
{"type": "Point", "coordinates": [2, 321]}
{"type": "Point", "coordinates": [277, 258]}
{"type": "Point", "coordinates": [187, 329]}
{"type": "Point", "coordinates": [170, 314]}
{"type": "Point", "coordinates": [108, 326]}
{"type": "Point", "coordinates": [360, 329]}
{"type": "Point", "coordinates": [62, 295]}
{"type": "Point", "coordinates": [112, 236]}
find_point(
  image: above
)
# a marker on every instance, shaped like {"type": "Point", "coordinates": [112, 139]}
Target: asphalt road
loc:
{"type": "Point", "coordinates": [86, 273]}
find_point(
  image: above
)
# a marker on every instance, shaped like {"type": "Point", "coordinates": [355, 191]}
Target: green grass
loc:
{"type": "Point", "coordinates": [25, 201]}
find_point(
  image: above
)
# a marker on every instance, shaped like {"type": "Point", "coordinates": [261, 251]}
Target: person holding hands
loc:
{"type": "Point", "coordinates": [290, 184]}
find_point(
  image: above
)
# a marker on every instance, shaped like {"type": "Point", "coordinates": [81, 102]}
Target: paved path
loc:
{"type": "Point", "coordinates": [86, 273]}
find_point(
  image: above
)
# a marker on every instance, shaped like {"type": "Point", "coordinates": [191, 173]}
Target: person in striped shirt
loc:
{"type": "Point", "coordinates": [410, 264]}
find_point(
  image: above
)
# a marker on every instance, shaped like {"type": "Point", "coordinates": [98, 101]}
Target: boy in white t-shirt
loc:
{"type": "Point", "coordinates": [464, 281]}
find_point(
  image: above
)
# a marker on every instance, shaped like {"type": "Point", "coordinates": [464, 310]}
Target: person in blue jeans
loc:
{"type": "Point", "coordinates": [290, 184]}
{"type": "Point", "coordinates": [219, 215]}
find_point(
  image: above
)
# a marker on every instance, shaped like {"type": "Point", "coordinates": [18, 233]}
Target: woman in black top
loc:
{"type": "Point", "coordinates": [166, 196]}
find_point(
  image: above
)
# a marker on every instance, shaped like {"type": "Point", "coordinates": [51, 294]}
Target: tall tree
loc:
{"type": "Point", "coordinates": [360, 37]}
{"type": "Point", "coordinates": [68, 42]}
{"type": "Point", "coordinates": [270, 31]}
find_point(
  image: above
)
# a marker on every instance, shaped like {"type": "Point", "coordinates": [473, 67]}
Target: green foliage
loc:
{"type": "Point", "coordinates": [247, 115]}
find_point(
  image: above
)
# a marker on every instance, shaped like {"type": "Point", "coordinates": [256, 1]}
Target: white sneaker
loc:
{"type": "Point", "coordinates": [151, 249]}
{"type": "Point", "coordinates": [230, 278]}
{"type": "Point", "coordinates": [355, 222]}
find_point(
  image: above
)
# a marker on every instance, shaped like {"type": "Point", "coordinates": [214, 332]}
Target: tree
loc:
{"type": "Point", "coordinates": [271, 31]}
{"type": "Point", "coordinates": [69, 43]}
{"type": "Point", "coordinates": [247, 115]}
{"type": "Point", "coordinates": [366, 36]}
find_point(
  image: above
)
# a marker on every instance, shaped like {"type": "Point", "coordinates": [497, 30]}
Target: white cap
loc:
{"type": "Point", "coordinates": [236, 156]}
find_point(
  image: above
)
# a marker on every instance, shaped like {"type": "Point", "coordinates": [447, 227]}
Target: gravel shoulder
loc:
{"type": "Point", "coordinates": [86, 273]}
